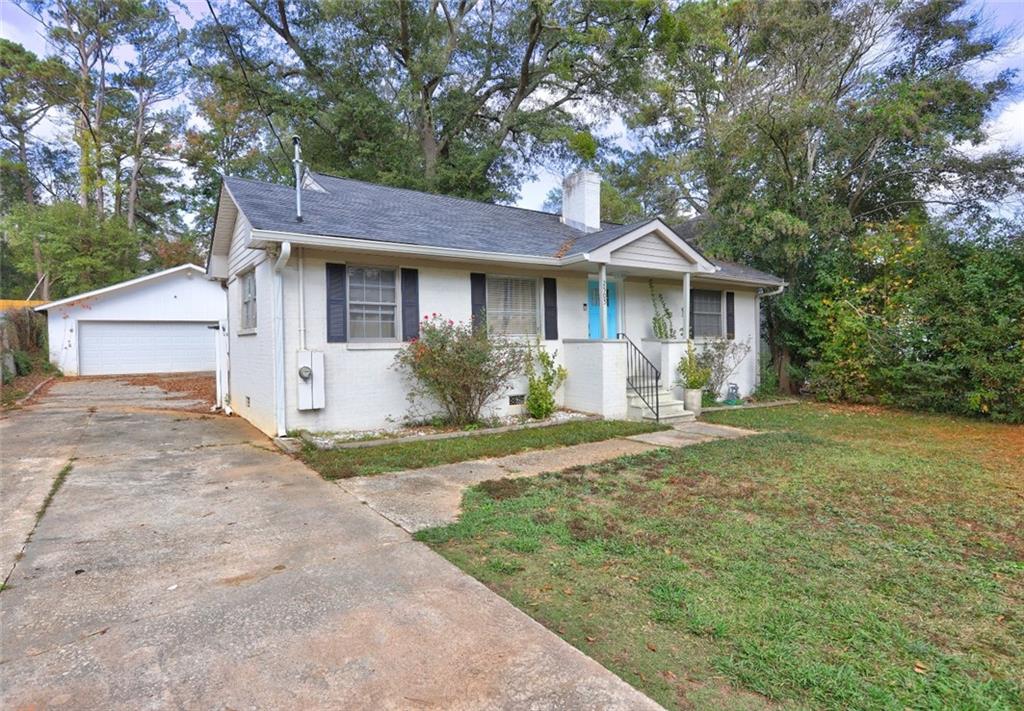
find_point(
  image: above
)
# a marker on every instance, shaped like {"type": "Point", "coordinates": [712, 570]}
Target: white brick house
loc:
{"type": "Point", "coordinates": [341, 289]}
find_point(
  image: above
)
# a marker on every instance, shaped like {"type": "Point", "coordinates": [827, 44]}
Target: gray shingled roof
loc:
{"type": "Point", "coordinates": [360, 210]}
{"type": "Point", "coordinates": [352, 208]}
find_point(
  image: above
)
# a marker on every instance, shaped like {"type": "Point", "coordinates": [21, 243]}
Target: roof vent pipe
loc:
{"type": "Point", "coordinates": [297, 162]}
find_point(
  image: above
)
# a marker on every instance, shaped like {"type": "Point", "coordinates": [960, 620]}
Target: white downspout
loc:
{"type": "Point", "coordinates": [302, 300]}
{"type": "Point", "coordinates": [686, 307]}
{"type": "Point", "coordinates": [279, 384]}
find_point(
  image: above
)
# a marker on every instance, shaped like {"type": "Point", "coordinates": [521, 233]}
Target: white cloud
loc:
{"type": "Point", "coordinates": [1005, 130]}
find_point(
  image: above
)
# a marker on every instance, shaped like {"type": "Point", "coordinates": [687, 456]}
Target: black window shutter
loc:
{"type": "Point", "coordinates": [550, 309]}
{"type": "Point", "coordinates": [478, 299]}
{"type": "Point", "coordinates": [337, 311]}
{"type": "Point", "coordinates": [690, 307]}
{"type": "Point", "coordinates": [410, 304]}
{"type": "Point", "coordinates": [730, 315]}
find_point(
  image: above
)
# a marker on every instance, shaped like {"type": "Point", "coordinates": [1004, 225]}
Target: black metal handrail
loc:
{"type": "Point", "coordinates": [642, 377]}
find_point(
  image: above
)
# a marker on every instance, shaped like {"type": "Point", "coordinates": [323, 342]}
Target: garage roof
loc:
{"type": "Point", "coordinates": [124, 285]}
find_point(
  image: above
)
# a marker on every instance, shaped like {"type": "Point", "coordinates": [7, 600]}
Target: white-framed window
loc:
{"type": "Point", "coordinates": [248, 287]}
{"type": "Point", "coordinates": [372, 303]}
{"type": "Point", "coordinates": [513, 306]}
{"type": "Point", "coordinates": [707, 313]}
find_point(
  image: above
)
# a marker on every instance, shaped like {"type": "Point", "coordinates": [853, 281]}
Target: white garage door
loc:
{"type": "Point", "coordinates": [116, 348]}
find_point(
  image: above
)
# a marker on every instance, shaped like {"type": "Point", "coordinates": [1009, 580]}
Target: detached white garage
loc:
{"type": "Point", "coordinates": [159, 323]}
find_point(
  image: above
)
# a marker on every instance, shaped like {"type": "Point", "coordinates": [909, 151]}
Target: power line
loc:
{"type": "Point", "coordinates": [240, 62]}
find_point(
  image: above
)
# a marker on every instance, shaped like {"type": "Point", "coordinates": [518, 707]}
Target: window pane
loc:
{"type": "Point", "coordinates": [706, 325]}
{"type": "Point", "coordinates": [372, 321]}
{"type": "Point", "coordinates": [372, 295]}
{"type": "Point", "coordinates": [248, 285]}
{"type": "Point", "coordinates": [512, 306]}
{"type": "Point", "coordinates": [708, 302]}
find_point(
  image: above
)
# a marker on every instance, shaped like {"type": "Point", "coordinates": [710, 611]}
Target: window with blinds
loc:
{"type": "Point", "coordinates": [513, 306]}
{"type": "Point", "coordinates": [707, 313]}
{"type": "Point", "coordinates": [372, 304]}
{"type": "Point", "coordinates": [248, 282]}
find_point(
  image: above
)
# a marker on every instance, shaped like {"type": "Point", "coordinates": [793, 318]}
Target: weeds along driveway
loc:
{"type": "Point", "coordinates": [184, 562]}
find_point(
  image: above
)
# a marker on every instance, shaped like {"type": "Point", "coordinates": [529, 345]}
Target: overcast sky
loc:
{"type": "Point", "coordinates": [1006, 122]}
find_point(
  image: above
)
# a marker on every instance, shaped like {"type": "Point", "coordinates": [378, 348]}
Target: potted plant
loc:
{"type": "Point", "coordinates": [694, 378]}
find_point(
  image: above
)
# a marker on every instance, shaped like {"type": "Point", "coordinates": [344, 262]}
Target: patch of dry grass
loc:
{"type": "Point", "coordinates": [848, 558]}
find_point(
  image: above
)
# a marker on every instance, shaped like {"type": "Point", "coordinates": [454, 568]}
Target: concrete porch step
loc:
{"type": "Point", "coordinates": [671, 410]}
{"type": "Point", "coordinates": [664, 395]}
{"type": "Point", "coordinates": [684, 416]}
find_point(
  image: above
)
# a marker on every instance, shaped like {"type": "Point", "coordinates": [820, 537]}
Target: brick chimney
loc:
{"type": "Point", "coordinates": [581, 201]}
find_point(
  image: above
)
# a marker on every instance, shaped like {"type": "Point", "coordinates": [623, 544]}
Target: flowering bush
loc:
{"type": "Point", "coordinates": [457, 369]}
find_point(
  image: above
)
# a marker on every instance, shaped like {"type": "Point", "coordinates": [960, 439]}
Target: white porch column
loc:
{"type": "Point", "coordinates": [602, 297]}
{"type": "Point", "coordinates": [686, 306]}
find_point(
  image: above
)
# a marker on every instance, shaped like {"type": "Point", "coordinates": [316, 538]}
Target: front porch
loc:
{"type": "Point", "coordinates": [613, 378]}
{"type": "Point", "coordinates": [638, 317]}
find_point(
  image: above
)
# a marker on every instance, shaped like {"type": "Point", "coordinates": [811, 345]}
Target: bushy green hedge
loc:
{"type": "Point", "coordinates": [938, 326]}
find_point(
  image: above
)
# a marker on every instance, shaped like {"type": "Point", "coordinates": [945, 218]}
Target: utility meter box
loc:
{"type": "Point", "coordinates": [310, 366]}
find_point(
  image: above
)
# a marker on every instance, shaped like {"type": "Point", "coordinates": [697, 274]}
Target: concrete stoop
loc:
{"type": "Point", "coordinates": [671, 409]}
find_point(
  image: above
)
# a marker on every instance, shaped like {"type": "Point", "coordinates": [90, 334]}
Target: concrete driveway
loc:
{"type": "Point", "coordinates": [186, 563]}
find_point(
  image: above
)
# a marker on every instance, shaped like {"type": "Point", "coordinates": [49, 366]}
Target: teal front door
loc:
{"type": "Point", "coordinates": [594, 310]}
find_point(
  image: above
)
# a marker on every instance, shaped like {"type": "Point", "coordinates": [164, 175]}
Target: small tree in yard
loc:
{"type": "Point", "coordinates": [457, 368]}
{"type": "Point", "coordinates": [722, 356]}
{"type": "Point", "coordinates": [545, 377]}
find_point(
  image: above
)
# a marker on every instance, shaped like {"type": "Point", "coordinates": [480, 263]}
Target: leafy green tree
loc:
{"type": "Point", "coordinates": [80, 250]}
{"type": "Point", "coordinates": [29, 88]}
{"type": "Point", "coordinates": [453, 97]}
{"type": "Point", "coordinates": [229, 140]}
{"type": "Point", "coordinates": [89, 33]}
{"type": "Point", "coordinates": [928, 320]}
{"type": "Point", "coordinates": [797, 126]}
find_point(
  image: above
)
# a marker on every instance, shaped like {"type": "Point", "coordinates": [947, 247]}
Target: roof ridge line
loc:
{"type": "Point", "coordinates": [442, 195]}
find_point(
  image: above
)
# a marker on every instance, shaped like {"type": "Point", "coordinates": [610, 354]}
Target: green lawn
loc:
{"type": "Point", "coordinates": [361, 461]}
{"type": "Point", "coordinates": [847, 558]}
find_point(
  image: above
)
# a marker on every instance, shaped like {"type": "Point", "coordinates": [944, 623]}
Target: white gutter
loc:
{"type": "Point", "coordinates": [279, 385]}
{"type": "Point", "coordinates": [406, 249]}
{"type": "Point", "coordinates": [365, 245]}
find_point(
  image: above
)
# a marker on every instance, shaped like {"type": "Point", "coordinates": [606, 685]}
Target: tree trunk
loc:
{"type": "Point", "coordinates": [26, 180]}
{"type": "Point", "coordinates": [30, 199]}
{"type": "Point", "coordinates": [84, 142]}
{"type": "Point", "coordinates": [41, 276]}
{"type": "Point", "coordinates": [118, 190]}
{"type": "Point", "coordinates": [133, 195]}
{"type": "Point", "coordinates": [428, 142]}
{"type": "Point", "coordinates": [782, 360]}
{"type": "Point", "coordinates": [101, 95]}
{"type": "Point", "coordinates": [133, 186]}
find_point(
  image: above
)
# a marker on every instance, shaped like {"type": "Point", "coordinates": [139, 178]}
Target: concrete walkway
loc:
{"type": "Point", "coordinates": [186, 563]}
{"type": "Point", "coordinates": [425, 498]}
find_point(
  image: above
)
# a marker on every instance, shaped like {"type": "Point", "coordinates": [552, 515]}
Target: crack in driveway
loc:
{"type": "Point", "coordinates": [193, 612]}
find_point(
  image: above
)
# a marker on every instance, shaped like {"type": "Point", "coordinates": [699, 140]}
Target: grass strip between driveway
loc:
{"type": "Point", "coordinates": [848, 558]}
{"type": "Point", "coordinates": [343, 463]}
